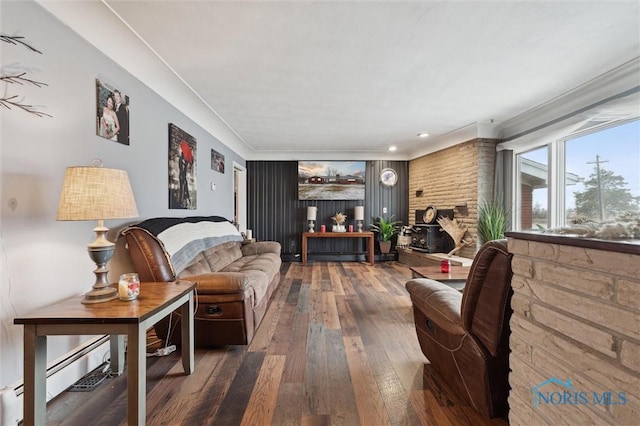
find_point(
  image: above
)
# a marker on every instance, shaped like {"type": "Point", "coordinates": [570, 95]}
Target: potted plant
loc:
{"type": "Point", "coordinates": [386, 229]}
{"type": "Point", "coordinates": [492, 220]}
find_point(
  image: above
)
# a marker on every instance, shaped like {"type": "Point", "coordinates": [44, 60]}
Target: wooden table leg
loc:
{"type": "Point", "coordinates": [371, 250]}
{"type": "Point", "coordinates": [35, 377]}
{"type": "Point", "coordinates": [136, 375]}
{"type": "Point", "coordinates": [304, 249]}
{"type": "Point", "coordinates": [186, 312]}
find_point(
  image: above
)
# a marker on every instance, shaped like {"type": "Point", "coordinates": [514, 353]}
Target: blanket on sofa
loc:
{"type": "Point", "coordinates": [183, 238]}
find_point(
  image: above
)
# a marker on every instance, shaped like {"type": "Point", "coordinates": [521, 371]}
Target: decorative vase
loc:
{"type": "Point", "coordinates": [338, 228]}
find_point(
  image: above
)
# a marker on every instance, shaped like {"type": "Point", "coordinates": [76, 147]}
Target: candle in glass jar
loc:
{"type": "Point", "coordinates": [128, 286]}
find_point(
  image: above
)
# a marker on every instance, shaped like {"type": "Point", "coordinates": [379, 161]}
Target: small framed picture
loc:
{"type": "Point", "coordinates": [217, 161]}
{"type": "Point", "coordinates": [112, 112]}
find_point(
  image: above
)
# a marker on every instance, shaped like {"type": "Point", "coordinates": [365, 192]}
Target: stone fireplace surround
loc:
{"type": "Point", "coordinates": [575, 330]}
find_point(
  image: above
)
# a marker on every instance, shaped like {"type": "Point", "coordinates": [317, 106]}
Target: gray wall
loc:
{"type": "Point", "coordinates": [43, 261]}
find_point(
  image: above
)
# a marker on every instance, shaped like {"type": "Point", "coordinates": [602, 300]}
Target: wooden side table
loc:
{"type": "Point", "coordinates": [116, 318]}
{"type": "Point", "coordinates": [456, 277]}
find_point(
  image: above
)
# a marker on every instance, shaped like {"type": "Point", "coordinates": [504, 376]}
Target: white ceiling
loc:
{"type": "Point", "coordinates": [319, 79]}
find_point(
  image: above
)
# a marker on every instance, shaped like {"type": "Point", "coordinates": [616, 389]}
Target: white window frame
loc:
{"type": "Point", "coordinates": [555, 180]}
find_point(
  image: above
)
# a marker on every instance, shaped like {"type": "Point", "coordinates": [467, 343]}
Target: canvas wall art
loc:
{"type": "Point", "coordinates": [217, 161]}
{"type": "Point", "coordinates": [112, 112]}
{"type": "Point", "coordinates": [182, 169]}
{"type": "Point", "coordinates": [331, 180]}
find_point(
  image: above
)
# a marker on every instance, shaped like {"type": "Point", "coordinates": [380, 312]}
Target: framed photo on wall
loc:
{"type": "Point", "coordinates": [217, 161]}
{"type": "Point", "coordinates": [112, 112]}
{"type": "Point", "coordinates": [182, 169]}
{"type": "Point", "coordinates": [331, 180]}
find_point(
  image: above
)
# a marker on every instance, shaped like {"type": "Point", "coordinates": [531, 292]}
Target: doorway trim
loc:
{"type": "Point", "coordinates": [240, 196]}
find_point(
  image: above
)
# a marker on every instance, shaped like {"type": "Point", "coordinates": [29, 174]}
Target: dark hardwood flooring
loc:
{"type": "Point", "coordinates": [336, 347]}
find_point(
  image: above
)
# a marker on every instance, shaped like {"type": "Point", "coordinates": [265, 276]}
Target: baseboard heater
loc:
{"type": "Point", "coordinates": [60, 375]}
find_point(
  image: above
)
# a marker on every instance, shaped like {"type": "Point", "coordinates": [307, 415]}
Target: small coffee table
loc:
{"type": "Point", "coordinates": [456, 277]}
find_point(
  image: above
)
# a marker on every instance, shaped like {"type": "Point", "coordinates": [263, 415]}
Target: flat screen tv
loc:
{"type": "Point", "coordinates": [331, 180]}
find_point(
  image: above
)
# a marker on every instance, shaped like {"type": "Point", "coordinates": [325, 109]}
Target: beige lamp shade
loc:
{"type": "Point", "coordinates": [359, 213]}
{"type": "Point", "coordinates": [312, 212]}
{"type": "Point", "coordinates": [96, 193]}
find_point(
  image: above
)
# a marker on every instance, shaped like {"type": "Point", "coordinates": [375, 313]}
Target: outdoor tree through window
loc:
{"type": "Point", "coordinates": [607, 167]}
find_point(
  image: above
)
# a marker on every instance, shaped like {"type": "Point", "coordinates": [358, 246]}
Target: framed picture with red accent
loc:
{"type": "Point", "coordinates": [182, 169]}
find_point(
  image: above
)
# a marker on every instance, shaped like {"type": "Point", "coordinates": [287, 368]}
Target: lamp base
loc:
{"type": "Point", "coordinates": [99, 295]}
{"type": "Point", "coordinates": [100, 252]}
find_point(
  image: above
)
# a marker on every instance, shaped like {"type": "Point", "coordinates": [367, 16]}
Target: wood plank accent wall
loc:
{"type": "Point", "coordinates": [275, 213]}
{"type": "Point", "coordinates": [453, 176]}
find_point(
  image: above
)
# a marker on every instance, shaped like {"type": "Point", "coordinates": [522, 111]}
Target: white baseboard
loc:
{"type": "Point", "coordinates": [63, 372]}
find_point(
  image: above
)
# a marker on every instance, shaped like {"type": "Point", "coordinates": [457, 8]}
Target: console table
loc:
{"type": "Point", "coordinates": [364, 234]}
{"type": "Point", "coordinates": [116, 318]}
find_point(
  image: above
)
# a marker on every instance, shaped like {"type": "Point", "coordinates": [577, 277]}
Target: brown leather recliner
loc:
{"type": "Point", "coordinates": [466, 336]}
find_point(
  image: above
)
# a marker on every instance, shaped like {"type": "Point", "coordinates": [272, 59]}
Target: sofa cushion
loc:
{"type": "Point", "coordinates": [268, 263]}
{"type": "Point", "coordinates": [213, 259]}
{"type": "Point", "coordinates": [224, 268]}
{"type": "Point", "coordinates": [248, 285]}
{"type": "Point", "coordinates": [260, 270]}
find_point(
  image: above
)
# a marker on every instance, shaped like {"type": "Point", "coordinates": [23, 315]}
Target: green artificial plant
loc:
{"type": "Point", "coordinates": [492, 220]}
{"type": "Point", "coordinates": [386, 228]}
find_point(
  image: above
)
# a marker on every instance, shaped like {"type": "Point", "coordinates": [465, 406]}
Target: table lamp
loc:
{"type": "Point", "coordinates": [312, 211]}
{"type": "Point", "coordinates": [96, 193]}
{"type": "Point", "coordinates": [359, 216]}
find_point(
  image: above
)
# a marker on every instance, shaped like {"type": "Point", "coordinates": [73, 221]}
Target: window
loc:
{"type": "Point", "coordinates": [602, 178]}
{"type": "Point", "coordinates": [593, 175]}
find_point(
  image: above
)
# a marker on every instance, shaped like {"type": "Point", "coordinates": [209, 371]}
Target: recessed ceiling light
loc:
{"type": "Point", "coordinates": [423, 135]}
{"type": "Point", "coordinates": [392, 148]}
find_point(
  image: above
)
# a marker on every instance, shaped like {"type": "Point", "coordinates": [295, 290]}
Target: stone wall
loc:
{"type": "Point", "coordinates": [576, 317]}
{"type": "Point", "coordinates": [462, 174]}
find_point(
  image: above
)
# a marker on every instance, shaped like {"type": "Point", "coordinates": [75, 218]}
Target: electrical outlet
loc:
{"type": "Point", "coordinates": [166, 350]}
{"type": "Point", "coordinates": [384, 210]}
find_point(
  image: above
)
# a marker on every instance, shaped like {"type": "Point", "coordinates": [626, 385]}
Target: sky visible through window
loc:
{"type": "Point", "coordinates": [618, 149]}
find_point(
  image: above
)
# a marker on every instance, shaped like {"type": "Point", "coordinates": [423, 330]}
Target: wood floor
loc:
{"type": "Point", "coordinates": [336, 347]}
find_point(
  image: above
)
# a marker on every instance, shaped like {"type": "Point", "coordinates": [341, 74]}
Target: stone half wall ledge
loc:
{"type": "Point", "coordinates": [575, 330]}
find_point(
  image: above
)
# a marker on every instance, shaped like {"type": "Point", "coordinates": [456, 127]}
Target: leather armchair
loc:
{"type": "Point", "coordinates": [465, 335]}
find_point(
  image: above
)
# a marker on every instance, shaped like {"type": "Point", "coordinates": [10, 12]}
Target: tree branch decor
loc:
{"type": "Point", "coordinates": [21, 79]}
{"type": "Point", "coordinates": [18, 40]}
